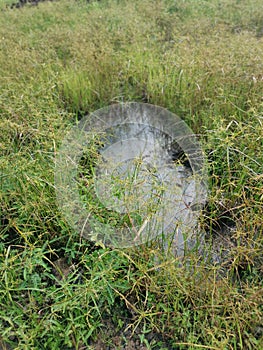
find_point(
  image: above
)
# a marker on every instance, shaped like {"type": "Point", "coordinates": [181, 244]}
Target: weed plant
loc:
{"type": "Point", "coordinates": [62, 60]}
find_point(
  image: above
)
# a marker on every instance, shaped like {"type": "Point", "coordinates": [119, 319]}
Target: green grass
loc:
{"type": "Point", "coordinates": [62, 60]}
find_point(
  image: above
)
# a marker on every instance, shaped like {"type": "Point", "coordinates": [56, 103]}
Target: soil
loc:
{"type": "Point", "coordinates": [109, 339]}
{"type": "Point", "coordinates": [22, 3]}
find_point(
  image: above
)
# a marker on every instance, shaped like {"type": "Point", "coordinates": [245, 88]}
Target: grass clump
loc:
{"type": "Point", "coordinates": [62, 60]}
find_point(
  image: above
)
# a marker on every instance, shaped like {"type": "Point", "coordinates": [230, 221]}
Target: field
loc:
{"type": "Point", "coordinates": [61, 60]}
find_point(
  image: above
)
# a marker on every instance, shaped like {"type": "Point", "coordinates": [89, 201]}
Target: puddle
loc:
{"type": "Point", "coordinates": [148, 180]}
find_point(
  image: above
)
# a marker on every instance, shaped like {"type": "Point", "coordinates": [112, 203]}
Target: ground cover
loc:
{"type": "Point", "coordinates": [61, 60]}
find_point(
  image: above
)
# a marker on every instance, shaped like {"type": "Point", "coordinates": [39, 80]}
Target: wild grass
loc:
{"type": "Point", "coordinates": [62, 60]}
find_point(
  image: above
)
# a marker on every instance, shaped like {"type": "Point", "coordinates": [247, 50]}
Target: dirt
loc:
{"type": "Point", "coordinates": [125, 339]}
{"type": "Point", "coordinates": [22, 3]}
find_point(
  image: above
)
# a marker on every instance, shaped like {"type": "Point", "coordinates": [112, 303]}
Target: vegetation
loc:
{"type": "Point", "coordinates": [61, 60]}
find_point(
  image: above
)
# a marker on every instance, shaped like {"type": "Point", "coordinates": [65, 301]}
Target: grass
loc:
{"type": "Point", "coordinates": [62, 60]}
